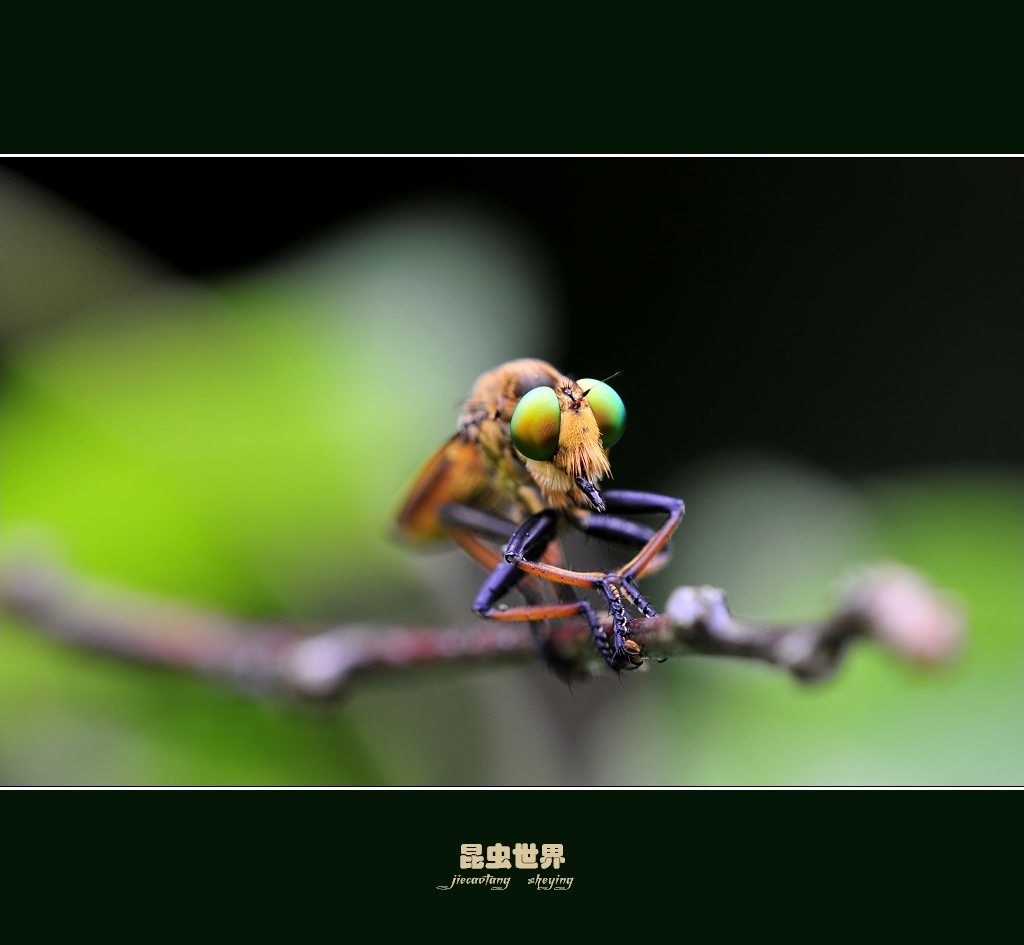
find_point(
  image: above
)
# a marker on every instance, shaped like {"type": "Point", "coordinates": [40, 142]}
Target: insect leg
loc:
{"type": "Point", "coordinates": [622, 582]}
{"type": "Point", "coordinates": [618, 651]}
{"type": "Point", "coordinates": [465, 521]}
{"type": "Point", "coordinates": [655, 552]}
{"type": "Point", "coordinates": [614, 529]}
{"type": "Point", "coordinates": [531, 538]}
{"type": "Point", "coordinates": [638, 503]}
{"type": "Point", "coordinates": [646, 560]}
{"type": "Point", "coordinates": [530, 541]}
{"type": "Point", "coordinates": [457, 515]}
{"type": "Point", "coordinates": [462, 521]}
{"type": "Point", "coordinates": [621, 531]}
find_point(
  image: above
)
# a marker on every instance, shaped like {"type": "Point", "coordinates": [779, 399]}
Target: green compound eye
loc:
{"type": "Point", "coordinates": [535, 424]}
{"type": "Point", "coordinates": [608, 408]}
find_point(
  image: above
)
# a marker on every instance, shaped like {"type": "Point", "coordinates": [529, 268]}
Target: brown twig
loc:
{"type": "Point", "coordinates": [893, 606]}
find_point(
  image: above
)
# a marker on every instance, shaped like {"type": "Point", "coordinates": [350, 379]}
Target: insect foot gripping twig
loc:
{"type": "Point", "coordinates": [893, 606]}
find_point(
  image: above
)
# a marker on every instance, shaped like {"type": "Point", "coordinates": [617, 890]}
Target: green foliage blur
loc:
{"type": "Point", "coordinates": [243, 447]}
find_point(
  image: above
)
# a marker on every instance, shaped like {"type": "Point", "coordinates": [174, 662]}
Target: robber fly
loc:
{"type": "Point", "coordinates": [529, 455]}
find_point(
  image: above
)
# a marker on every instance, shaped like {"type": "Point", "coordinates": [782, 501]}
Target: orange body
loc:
{"type": "Point", "coordinates": [480, 467]}
{"type": "Point", "coordinates": [507, 482]}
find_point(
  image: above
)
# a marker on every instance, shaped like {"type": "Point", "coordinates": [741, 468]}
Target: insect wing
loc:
{"type": "Point", "coordinates": [453, 474]}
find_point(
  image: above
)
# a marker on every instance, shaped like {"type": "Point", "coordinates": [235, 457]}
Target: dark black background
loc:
{"type": "Point", "coordinates": [863, 313]}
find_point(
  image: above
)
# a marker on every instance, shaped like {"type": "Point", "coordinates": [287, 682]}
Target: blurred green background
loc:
{"type": "Point", "coordinates": [818, 357]}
